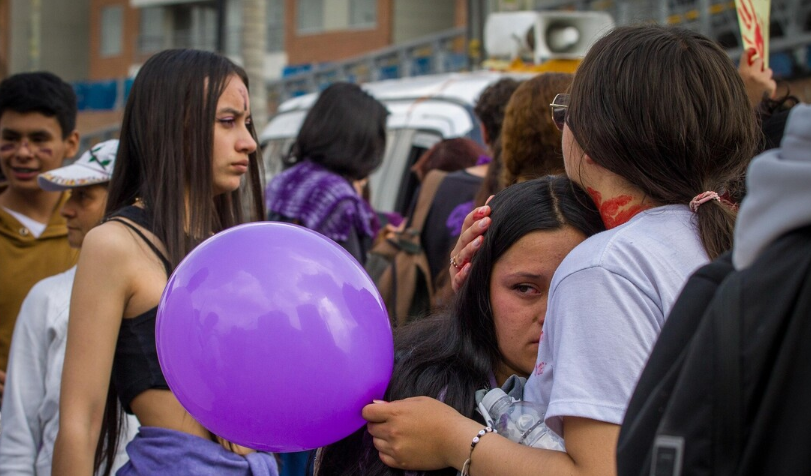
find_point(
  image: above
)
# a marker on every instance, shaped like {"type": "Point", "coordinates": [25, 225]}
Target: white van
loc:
{"type": "Point", "coordinates": [423, 110]}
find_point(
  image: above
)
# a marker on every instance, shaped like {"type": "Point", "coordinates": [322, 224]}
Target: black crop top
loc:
{"type": "Point", "coordinates": [135, 366]}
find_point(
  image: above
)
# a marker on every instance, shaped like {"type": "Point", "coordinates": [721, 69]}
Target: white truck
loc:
{"type": "Point", "coordinates": [422, 111]}
{"type": "Point", "coordinates": [426, 109]}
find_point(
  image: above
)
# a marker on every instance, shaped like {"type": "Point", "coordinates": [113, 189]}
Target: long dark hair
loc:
{"type": "Point", "coordinates": [448, 155]}
{"type": "Point", "coordinates": [665, 109]}
{"type": "Point", "coordinates": [165, 151]}
{"type": "Point", "coordinates": [164, 159]}
{"type": "Point", "coordinates": [451, 355]}
{"type": "Point", "coordinates": [344, 131]}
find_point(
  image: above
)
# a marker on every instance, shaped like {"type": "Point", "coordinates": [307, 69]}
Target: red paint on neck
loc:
{"type": "Point", "coordinates": [617, 210]}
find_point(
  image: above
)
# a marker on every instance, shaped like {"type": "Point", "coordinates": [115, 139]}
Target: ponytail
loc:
{"type": "Point", "coordinates": [716, 226]}
{"type": "Point", "coordinates": [673, 138]}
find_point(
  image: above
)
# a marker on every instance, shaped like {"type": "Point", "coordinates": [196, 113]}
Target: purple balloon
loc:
{"type": "Point", "coordinates": [273, 337]}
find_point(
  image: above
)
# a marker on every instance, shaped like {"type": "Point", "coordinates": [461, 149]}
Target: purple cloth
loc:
{"type": "Point", "coordinates": [325, 202]}
{"type": "Point", "coordinates": [484, 160]}
{"type": "Point", "coordinates": [394, 218]}
{"type": "Point", "coordinates": [160, 451]}
{"type": "Point", "coordinates": [457, 218]}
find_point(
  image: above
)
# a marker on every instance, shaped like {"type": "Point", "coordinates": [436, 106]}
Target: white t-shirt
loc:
{"type": "Point", "coordinates": [31, 399]}
{"type": "Point", "coordinates": [36, 228]}
{"type": "Point", "coordinates": [608, 301]}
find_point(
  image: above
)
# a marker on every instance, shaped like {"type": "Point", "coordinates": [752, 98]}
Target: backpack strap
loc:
{"type": "Point", "coordinates": [430, 185]}
{"type": "Point", "coordinates": [728, 430]}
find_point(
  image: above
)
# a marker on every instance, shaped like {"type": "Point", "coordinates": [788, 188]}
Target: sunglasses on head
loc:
{"type": "Point", "coordinates": [559, 108]}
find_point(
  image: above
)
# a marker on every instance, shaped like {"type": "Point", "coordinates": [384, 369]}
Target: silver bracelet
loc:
{"type": "Point", "coordinates": [482, 432]}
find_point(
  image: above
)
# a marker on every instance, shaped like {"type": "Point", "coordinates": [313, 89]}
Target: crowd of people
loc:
{"type": "Point", "coordinates": [556, 251]}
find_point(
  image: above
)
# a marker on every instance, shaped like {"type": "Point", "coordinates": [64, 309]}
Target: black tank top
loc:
{"type": "Point", "coordinates": [135, 366]}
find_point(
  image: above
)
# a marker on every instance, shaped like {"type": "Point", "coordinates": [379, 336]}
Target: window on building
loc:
{"type": "Point", "coordinates": [194, 26]}
{"type": "Point", "coordinates": [310, 15]}
{"type": "Point", "coordinates": [151, 30]}
{"type": "Point", "coordinates": [204, 28]}
{"type": "Point", "coordinates": [362, 13]}
{"type": "Point", "coordinates": [233, 28]}
{"type": "Point", "coordinates": [275, 23]}
{"type": "Point", "coordinates": [112, 22]}
{"type": "Point", "coordinates": [316, 16]}
{"type": "Point", "coordinates": [182, 27]}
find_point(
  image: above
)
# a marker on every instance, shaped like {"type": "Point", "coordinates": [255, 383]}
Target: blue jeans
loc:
{"type": "Point", "coordinates": [297, 464]}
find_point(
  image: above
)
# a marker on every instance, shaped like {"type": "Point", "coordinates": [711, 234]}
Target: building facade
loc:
{"type": "Point", "coordinates": [123, 33]}
{"type": "Point", "coordinates": [50, 35]}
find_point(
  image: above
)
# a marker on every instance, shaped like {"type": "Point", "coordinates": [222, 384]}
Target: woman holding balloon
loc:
{"type": "Point", "coordinates": [186, 145]}
{"type": "Point", "coordinates": [493, 328]}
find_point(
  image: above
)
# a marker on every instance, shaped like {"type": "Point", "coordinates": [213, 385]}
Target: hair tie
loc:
{"type": "Point", "coordinates": [702, 198]}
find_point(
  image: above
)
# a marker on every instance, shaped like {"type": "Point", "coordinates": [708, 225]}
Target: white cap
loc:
{"type": "Point", "coordinates": [93, 167]}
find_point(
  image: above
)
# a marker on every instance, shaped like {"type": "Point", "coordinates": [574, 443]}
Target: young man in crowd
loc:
{"type": "Point", "coordinates": [37, 133]}
{"type": "Point", "coordinates": [31, 404]}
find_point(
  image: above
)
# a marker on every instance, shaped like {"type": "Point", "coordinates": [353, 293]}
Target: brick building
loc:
{"type": "Point", "coordinates": [124, 33]}
{"type": "Point", "coordinates": [45, 35]}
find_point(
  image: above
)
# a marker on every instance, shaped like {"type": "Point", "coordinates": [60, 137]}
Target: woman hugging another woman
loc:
{"type": "Point", "coordinates": [492, 329]}
{"type": "Point", "coordinates": [656, 127]}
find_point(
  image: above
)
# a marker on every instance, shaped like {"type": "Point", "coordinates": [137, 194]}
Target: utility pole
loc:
{"type": "Point", "coordinates": [221, 27]}
{"type": "Point", "coordinates": [35, 36]}
{"type": "Point", "coordinates": [476, 14]}
{"type": "Point", "coordinates": [254, 45]}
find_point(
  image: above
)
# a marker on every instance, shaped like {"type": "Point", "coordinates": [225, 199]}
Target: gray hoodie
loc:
{"type": "Point", "coordinates": [778, 196]}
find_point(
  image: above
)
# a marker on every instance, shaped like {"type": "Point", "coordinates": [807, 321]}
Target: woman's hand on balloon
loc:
{"type": "Point", "coordinates": [419, 433]}
{"type": "Point", "coordinates": [474, 226]}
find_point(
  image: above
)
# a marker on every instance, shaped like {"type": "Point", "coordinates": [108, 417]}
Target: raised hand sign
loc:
{"type": "Point", "coordinates": [753, 18]}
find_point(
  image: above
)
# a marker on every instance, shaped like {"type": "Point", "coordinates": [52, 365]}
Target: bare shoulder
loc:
{"type": "Point", "coordinates": [110, 236]}
{"type": "Point", "coordinates": [110, 239]}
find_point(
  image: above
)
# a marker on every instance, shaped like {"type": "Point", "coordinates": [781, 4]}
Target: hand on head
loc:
{"type": "Point", "coordinates": [474, 226]}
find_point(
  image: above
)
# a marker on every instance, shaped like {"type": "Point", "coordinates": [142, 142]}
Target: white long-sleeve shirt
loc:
{"type": "Point", "coordinates": [30, 409]}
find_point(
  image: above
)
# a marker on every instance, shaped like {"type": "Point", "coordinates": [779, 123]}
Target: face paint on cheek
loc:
{"type": "Point", "coordinates": [7, 147]}
{"type": "Point", "coordinates": [46, 152]}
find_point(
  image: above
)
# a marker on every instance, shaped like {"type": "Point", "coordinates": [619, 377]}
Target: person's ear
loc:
{"type": "Point", "coordinates": [72, 144]}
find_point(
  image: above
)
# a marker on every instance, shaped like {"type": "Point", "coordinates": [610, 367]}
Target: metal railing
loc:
{"type": "Point", "coordinates": [88, 140]}
{"type": "Point", "coordinates": [438, 53]}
